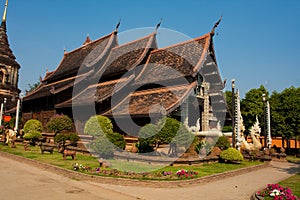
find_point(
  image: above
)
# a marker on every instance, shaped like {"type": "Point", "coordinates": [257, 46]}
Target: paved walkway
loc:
{"type": "Point", "coordinates": [22, 181]}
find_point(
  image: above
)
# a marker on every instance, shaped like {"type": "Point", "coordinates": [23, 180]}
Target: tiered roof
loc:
{"type": "Point", "coordinates": [81, 58]}
{"type": "Point", "coordinates": [177, 61]}
{"type": "Point", "coordinates": [77, 60]}
{"type": "Point", "coordinates": [120, 60]}
{"type": "Point", "coordinates": [126, 57]}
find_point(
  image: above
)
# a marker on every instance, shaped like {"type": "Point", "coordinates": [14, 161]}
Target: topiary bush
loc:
{"type": "Point", "coordinates": [98, 125]}
{"type": "Point", "coordinates": [33, 125]}
{"type": "Point", "coordinates": [117, 139]}
{"type": "Point", "coordinates": [33, 136]}
{"type": "Point", "coordinates": [102, 147]}
{"type": "Point", "coordinates": [223, 143]}
{"type": "Point", "coordinates": [166, 131]}
{"type": "Point", "coordinates": [231, 155]}
{"type": "Point", "coordinates": [147, 138]}
{"type": "Point", "coordinates": [59, 123]}
{"type": "Point", "coordinates": [62, 138]}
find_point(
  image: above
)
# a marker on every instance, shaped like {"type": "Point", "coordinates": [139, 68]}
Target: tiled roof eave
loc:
{"type": "Point", "coordinates": [170, 109]}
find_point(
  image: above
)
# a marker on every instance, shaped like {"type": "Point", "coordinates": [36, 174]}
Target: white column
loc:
{"type": "Point", "coordinates": [237, 120]}
{"type": "Point", "coordinates": [1, 114]}
{"type": "Point", "coordinates": [268, 123]}
{"type": "Point", "coordinates": [17, 115]}
{"type": "Point", "coordinates": [205, 114]}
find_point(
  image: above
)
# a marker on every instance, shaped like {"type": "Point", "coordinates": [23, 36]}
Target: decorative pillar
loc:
{"type": "Point", "coordinates": [205, 114]}
{"type": "Point", "coordinates": [232, 111]}
{"type": "Point", "coordinates": [17, 116]}
{"type": "Point", "coordinates": [268, 124]}
{"type": "Point", "coordinates": [237, 121]}
{"type": "Point", "coordinates": [265, 127]}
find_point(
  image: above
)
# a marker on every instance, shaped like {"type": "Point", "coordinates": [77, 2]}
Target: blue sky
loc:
{"type": "Point", "coordinates": [257, 42]}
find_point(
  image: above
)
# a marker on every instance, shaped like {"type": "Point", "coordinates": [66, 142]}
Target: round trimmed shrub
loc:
{"type": "Point", "coordinates": [102, 147]}
{"type": "Point", "coordinates": [223, 143]}
{"type": "Point", "coordinates": [59, 123]}
{"type": "Point", "coordinates": [32, 136]}
{"type": "Point", "coordinates": [33, 125]}
{"type": "Point", "coordinates": [62, 138]}
{"type": "Point", "coordinates": [98, 125]}
{"type": "Point", "coordinates": [231, 154]}
{"type": "Point", "coordinates": [117, 139]}
{"type": "Point", "coordinates": [168, 129]}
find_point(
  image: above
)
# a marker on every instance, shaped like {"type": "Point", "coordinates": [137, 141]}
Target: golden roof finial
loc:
{"type": "Point", "coordinates": [5, 11]}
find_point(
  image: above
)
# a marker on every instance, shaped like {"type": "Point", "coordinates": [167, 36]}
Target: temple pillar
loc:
{"type": "Point", "coordinates": [205, 114]}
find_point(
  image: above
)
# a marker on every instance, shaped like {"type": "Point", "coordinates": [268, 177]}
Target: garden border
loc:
{"type": "Point", "coordinates": [131, 182]}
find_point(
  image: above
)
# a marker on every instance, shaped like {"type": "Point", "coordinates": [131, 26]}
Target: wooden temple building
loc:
{"type": "Point", "coordinates": [135, 80]}
{"type": "Point", "coordinates": [9, 69]}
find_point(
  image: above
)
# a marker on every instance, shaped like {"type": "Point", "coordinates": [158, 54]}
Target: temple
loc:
{"type": "Point", "coordinates": [135, 80]}
{"type": "Point", "coordinates": [9, 68]}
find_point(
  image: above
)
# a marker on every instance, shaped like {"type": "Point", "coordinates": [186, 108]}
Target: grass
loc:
{"type": "Point", "coordinates": [293, 183]}
{"type": "Point", "coordinates": [293, 159]}
{"type": "Point", "coordinates": [154, 172]}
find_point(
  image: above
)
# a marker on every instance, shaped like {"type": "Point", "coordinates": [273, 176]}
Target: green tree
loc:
{"type": "Point", "coordinates": [285, 112]}
{"type": "Point", "coordinates": [60, 123]}
{"type": "Point", "coordinates": [252, 105]}
{"type": "Point", "coordinates": [33, 86]}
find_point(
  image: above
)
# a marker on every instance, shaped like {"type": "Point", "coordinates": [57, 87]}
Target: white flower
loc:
{"type": "Point", "coordinates": [274, 193]}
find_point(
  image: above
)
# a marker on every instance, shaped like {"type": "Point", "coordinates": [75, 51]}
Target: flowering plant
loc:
{"type": "Point", "coordinates": [182, 173]}
{"type": "Point", "coordinates": [166, 173]}
{"type": "Point", "coordinates": [277, 192]}
{"type": "Point", "coordinates": [80, 167]}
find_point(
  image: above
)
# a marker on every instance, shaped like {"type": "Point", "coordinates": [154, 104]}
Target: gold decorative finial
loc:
{"type": "Point", "coordinates": [5, 11]}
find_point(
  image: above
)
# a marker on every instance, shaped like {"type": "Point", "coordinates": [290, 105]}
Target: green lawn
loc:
{"type": "Point", "coordinates": [135, 168]}
{"type": "Point", "coordinates": [293, 159]}
{"type": "Point", "coordinates": [293, 183]}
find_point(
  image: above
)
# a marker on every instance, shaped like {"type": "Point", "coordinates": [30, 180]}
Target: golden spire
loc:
{"type": "Point", "coordinates": [5, 11]}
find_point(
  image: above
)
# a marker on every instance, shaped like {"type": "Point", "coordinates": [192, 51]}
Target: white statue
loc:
{"type": "Point", "coordinates": [195, 129]}
{"type": "Point", "coordinates": [255, 134]}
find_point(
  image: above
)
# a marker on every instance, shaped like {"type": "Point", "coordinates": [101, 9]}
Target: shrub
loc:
{"type": "Point", "coordinates": [168, 129]}
{"type": "Point", "coordinates": [223, 143]}
{"type": "Point", "coordinates": [147, 138]}
{"type": "Point", "coordinates": [231, 154]}
{"type": "Point", "coordinates": [33, 125]}
{"type": "Point", "coordinates": [203, 147]}
{"type": "Point", "coordinates": [33, 136]}
{"type": "Point", "coordinates": [59, 123]}
{"type": "Point", "coordinates": [103, 147]}
{"type": "Point", "coordinates": [117, 139]}
{"type": "Point", "coordinates": [183, 138]}
{"type": "Point", "coordinates": [145, 145]}
{"type": "Point", "coordinates": [98, 125]}
{"type": "Point", "coordinates": [62, 138]}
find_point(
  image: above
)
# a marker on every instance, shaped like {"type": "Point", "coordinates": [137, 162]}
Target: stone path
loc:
{"type": "Point", "coordinates": [239, 187]}
{"type": "Point", "coordinates": [22, 181]}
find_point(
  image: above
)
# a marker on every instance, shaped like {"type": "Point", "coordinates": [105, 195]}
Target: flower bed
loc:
{"type": "Point", "coordinates": [276, 192]}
